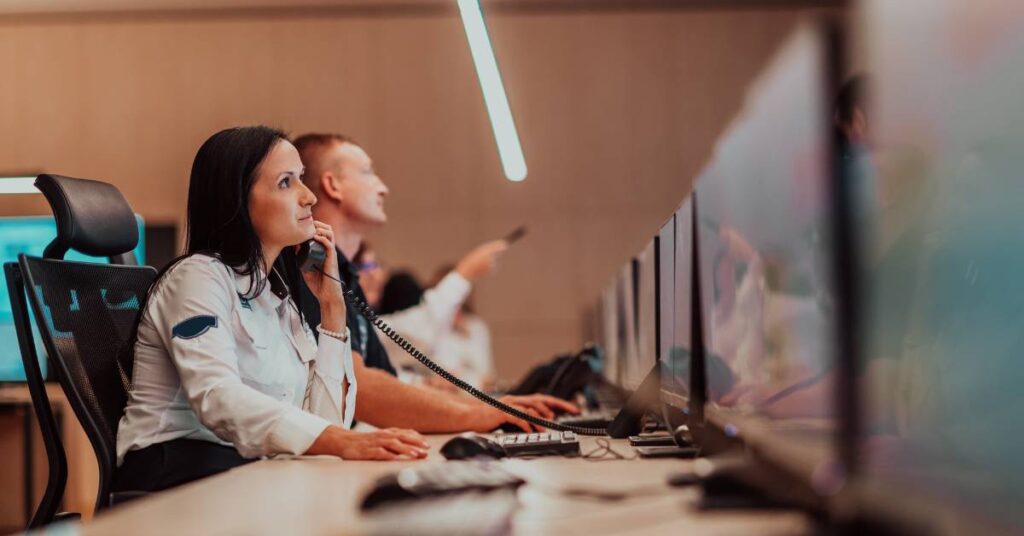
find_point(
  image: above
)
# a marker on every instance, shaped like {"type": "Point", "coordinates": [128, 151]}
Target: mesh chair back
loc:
{"type": "Point", "coordinates": [86, 314]}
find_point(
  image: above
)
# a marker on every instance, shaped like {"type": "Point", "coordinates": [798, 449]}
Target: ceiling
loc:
{"type": "Point", "coordinates": [43, 7]}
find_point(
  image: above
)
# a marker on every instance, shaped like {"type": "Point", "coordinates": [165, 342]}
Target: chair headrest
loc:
{"type": "Point", "coordinates": [92, 217]}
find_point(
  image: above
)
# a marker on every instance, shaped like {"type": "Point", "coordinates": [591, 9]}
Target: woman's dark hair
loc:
{"type": "Point", "coordinates": [401, 292]}
{"type": "Point", "coordinates": [218, 221]}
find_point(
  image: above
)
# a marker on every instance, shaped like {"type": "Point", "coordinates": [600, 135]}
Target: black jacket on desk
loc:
{"type": "Point", "coordinates": [364, 336]}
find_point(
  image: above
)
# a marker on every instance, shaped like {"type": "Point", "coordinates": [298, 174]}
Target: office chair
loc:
{"type": "Point", "coordinates": [85, 313]}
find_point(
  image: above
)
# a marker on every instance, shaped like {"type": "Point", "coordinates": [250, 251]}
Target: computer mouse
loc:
{"type": "Point", "coordinates": [470, 445]}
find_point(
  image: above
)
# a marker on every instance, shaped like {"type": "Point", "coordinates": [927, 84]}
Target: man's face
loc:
{"type": "Point", "coordinates": [362, 191]}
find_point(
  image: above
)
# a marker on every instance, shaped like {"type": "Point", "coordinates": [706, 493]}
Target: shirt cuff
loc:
{"type": "Point", "coordinates": [297, 430]}
{"type": "Point", "coordinates": [331, 355]}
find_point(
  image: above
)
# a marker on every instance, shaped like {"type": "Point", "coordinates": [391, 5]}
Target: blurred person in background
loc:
{"type": "Point", "coordinates": [437, 321]}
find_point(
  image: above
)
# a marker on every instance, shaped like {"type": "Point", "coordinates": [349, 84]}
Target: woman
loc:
{"type": "Point", "coordinates": [225, 369]}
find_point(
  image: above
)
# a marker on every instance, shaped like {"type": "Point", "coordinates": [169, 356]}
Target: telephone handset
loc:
{"type": "Point", "coordinates": [310, 258]}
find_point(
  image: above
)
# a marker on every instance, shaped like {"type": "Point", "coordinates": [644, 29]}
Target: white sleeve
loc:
{"type": "Point", "coordinates": [477, 349]}
{"type": "Point", "coordinates": [444, 300]}
{"type": "Point", "coordinates": [424, 323]}
{"type": "Point", "coordinates": [205, 355]}
{"type": "Point", "coordinates": [332, 367]}
{"type": "Point", "coordinates": [482, 345]}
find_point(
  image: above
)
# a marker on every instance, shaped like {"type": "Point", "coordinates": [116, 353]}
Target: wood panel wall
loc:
{"type": "Point", "coordinates": [616, 111]}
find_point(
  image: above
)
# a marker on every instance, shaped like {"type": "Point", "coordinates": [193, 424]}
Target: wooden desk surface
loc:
{"type": "Point", "coordinates": [321, 496]}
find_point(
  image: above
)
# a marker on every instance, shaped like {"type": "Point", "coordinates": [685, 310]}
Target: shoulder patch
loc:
{"type": "Point", "coordinates": [193, 327]}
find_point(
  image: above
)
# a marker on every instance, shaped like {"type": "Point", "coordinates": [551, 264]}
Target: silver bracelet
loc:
{"type": "Point", "coordinates": [340, 335]}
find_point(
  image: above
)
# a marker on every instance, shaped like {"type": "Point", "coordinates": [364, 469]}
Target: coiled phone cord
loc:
{"type": "Point", "coordinates": [370, 315]}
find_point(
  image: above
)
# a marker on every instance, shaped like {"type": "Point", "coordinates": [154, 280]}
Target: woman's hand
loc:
{"type": "Point", "coordinates": [386, 444]}
{"type": "Point", "coordinates": [327, 291]}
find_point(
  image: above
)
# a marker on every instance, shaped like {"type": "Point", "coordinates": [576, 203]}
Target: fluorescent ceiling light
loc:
{"type": "Point", "coordinates": [18, 185]}
{"type": "Point", "coordinates": [505, 135]}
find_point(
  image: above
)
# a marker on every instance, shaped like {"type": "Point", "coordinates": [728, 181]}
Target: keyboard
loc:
{"type": "Point", "coordinates": [588, 419]}
{"type": "Point", "coordinates": [439, 479]}
{"type": "Point", "coordinates": [540, 444]}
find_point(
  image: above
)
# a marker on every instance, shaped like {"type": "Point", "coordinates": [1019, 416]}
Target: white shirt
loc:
{"type": "Point", "coordinates": [213, 365]}
{"type": "Point", "coordinates": [467, 354]}
{"type": "Point", "coordinates": [428, 322]}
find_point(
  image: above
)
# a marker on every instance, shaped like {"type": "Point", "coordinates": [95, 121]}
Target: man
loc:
{"type": "Point", "coordinates": [350, 198]}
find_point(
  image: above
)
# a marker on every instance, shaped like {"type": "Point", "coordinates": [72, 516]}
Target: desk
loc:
{"type": "Point", "coordinates": [321, 496]}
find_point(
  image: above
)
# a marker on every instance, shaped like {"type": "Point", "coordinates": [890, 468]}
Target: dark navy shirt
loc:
{"type": "Point", "coordinates": [362, 332]}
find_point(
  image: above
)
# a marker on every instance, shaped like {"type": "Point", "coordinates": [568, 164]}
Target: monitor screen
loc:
{"type": "Point", "coordinates": [31, 235]}
{"type": "Point", "coordinates": [610, 332]}
{"type": "Point", "coordinates": [665, 285]}
{"type": "Point", "coordinates": [626, 304]}
{"type": "Point", "coordinates": [766, 262]}
{"type": "Point", "coordinates": [675, 372]}
{"type": "Point", "coordinates": [941, 262]}
{"type": "Point", "coordinates": [646, 356]}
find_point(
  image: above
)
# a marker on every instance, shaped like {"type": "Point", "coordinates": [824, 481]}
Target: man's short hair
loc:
{"type": "Point", "coordinates": [312, 146]}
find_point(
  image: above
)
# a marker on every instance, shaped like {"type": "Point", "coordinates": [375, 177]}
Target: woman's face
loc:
{"type": "Point", "coordinates": [280, 206]}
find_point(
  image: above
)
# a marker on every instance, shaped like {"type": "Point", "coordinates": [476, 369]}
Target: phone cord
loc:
{"type": "Point", "coordinates": [370, 315]}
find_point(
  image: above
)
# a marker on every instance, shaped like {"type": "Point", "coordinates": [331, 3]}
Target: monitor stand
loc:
{"type": "Point", "coordinates": [646, 398]}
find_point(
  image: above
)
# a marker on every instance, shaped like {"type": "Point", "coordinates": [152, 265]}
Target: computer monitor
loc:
{"type": "Point", "coordinates": [941, 266]}
{"type": "Point", "coordinates": [677, 354]}
{"type": "Point", "coordinates": [767, 285]}
{"type": "Point", "coordinates": [646, 314]}
{"type": "Point", "coordinates": [610, 338]}
{"type": "Point", "coordinates": [665, 255]}
{"type": "Point", "coordinates": [31, 235]}
{"type": "Point", "coordinates": [622, 291]}
{"type": "Point", "coordinates": [626, 306]}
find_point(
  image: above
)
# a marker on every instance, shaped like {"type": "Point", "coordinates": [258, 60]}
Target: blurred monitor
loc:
{"type": "Point", "coordinates": [766, 269]}
{"type": "Point", "coordinates": [31, 235]}
{"type": "Point", "coordinates": [664, 254]}
{"type": "Point", "coordinates": [942, 356]}
{"type": "Point", "coordinates": [646, 355]}
{"type": "Point", "coordinates": [610, 332]}
{"type": "Point", "coordinates": [676, 329]}
{"type": "Point", "coordinates": [626, 307]}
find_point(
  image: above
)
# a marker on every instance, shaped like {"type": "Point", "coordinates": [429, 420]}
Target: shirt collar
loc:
{"type": "Point", "coordinates": [347, 269]}
{"type": "Point", "coordinates": [242, 286]}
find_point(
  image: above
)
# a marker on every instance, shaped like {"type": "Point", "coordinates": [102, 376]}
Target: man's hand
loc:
{"type": "Point", "coordinates": [481, 260]}
{"type": "Point", "coordinates": [387, 444]}
{"type": "Point", "coordinates": [484, 418]}
{"type": "Point", "coordinates": [543, 405]}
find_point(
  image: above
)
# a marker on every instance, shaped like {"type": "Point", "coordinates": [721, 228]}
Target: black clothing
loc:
{"type": "Point", "coordinates": [172, 463]}
{"type": "Point", "coordinates": [364, 337]}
